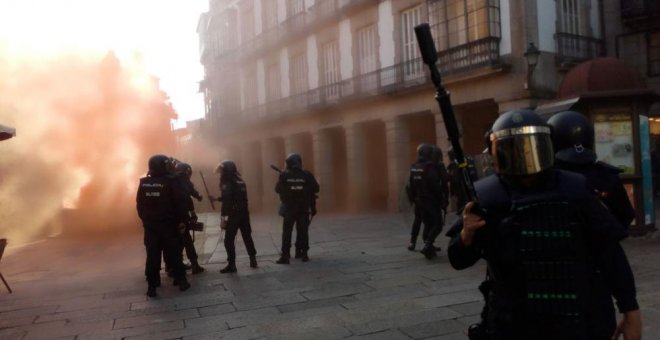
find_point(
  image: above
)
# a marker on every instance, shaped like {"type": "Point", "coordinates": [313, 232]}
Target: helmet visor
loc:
{"type": "Point", "coordinates": [523, 150]}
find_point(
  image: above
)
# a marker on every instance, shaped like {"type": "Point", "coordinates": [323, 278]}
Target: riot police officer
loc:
{"type": "Point", "coordinates": [547, 241]}
{"type": "Point", "coordinates": [161, 209]}
{"type": "Point", "coordinates": [235, 215]}
{"type": "Point", "coordinates": [573, 142]}
{"type": "Point", "coordinates": [426, 189]}
{"type": "Point", "coordinates": [184, 173]}
{"type": "Point", "coordinates": [297, 189]}
{"type": "Point", "coordinates": [431, 232]}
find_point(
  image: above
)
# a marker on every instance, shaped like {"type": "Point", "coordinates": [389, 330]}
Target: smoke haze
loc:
{"type": "Point", "coordinates": [86, 126]}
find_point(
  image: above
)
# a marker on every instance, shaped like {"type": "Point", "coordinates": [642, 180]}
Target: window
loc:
{"type": "Point", "coordinates": [250, 90]}
{"type": "Point", "coordinates": [653, 54]}
{"type": "Point", "coordinates": [410, 54]}
{"type": "Point", "coordinates": [273, 84]}
{"type": "Point", "coordinates": [248, 26]}
{"type": "Point", "coordinates": [298, 73]}
{"type": "Point", "coordinates": [294, 7]}
{"type": "Point", "coordinates": [569, 11]}
{"type": "Point", "coordinates": [366, 46]}
{"type": "Point", "coordinates": [330, 65]}
{"type": "Point", "coordinates": [269, 13]}
{"type": "Point", "coordinates": [458, 22]}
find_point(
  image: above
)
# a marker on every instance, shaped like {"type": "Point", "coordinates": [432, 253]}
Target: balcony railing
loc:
{"type": "Point", "coordinates": [388, 80]}
{"type": "Point", "coordinates": [573, 49]}
{"type": "Point", "coordinates": [633, 9]}
{"type": "Point", "coordinates": [475, 54]}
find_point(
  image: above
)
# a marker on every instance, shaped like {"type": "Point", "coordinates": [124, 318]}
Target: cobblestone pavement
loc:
{"type": "Point", "coordinates": [361, 282]}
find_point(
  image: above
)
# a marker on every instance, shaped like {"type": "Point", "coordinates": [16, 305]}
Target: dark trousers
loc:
{"type": "Point", "coordinates": [157, 239]}
{"type": "Point", "coordinates": [416, 225]}
{"type": "Point", "coordinates": [301, 221]}
{"type": "Point", "coordinates": [238, 221]}
{"type": "Point", "coordinates": [188, 244]}
{"type": "Point", "coordinates": [434, 219]}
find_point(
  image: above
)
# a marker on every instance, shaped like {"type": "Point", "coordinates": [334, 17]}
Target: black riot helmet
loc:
{"type": "Point", "coordinates": [425, 152]}
{"type": "Point", "coordinates": [226, 167]}
{"type": "Point", "coordinates": [159, 165]}
{"type": "Point", "coordinates": [184, 168]}
{"type": "Point", "coordinates": [521, 144]}
{"type": "Point", "coordinates": [436, 155]}
{"type": "Point", "coordinates": [572, 137]}
{"type": "Point", "coordinates": [293, 161]}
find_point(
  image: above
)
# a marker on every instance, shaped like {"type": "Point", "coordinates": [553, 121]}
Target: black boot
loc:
{"type": "Point", "coordinates": [298, 253]}
{"type": "Point", "coordinates": [429, 251]}
{"type": "Point", "coordinates": [304, 256]}
{"type": "Point", "coordinates": [196, 268]}
{"type": "Point", "coordinates": [284, 258]}
{"type": "Point", "coordinates": [183, 284]}
{"type": "Point", "coordinates": [413, 240]}
{"type": "Point", "coordinates": [253, 261]}
{"type": "Point", "coordinates": [230, 268]}
{"type": "Point", "coordinates": [151, 291]}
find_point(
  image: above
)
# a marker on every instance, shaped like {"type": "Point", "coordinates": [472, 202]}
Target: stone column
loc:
{"type": "Point", "coordinates": [270, 154]}
{"type": "Point", "coordinates": [323, 169]}
{"type": "Point", "coordinates": [398, 156]}
{"type": "Point", "coordinates": [442, 139]}
{"type": "Point", "coordinates": [357, 169]}
{"type": "Point", "coordinates": [250, 168]}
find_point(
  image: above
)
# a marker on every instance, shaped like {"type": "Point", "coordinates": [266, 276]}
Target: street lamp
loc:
{"type": "Point", "coordinates": [532, 55]}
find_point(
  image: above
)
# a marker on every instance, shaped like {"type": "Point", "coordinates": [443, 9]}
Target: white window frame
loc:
{"type": "Point", "coordinates": [274, 84]}
{"type": "Point", "coordinates": [269, 13]}
{"type": "Point", "coordinates": [367, 48]}
{"type": "Point", "coordinates": [331, 68]}
{"type": "Point", "coordinates": [413, 67]}
{"type": "Point", "coordinates": [294, 7]}
{"type": "Point", "coordinates": [298, 73]}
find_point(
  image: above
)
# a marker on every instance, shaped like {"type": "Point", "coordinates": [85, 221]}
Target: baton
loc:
{"type": "Point", "coordinates": [274, 167]}
{"type": "Point", "coordinates": [208, 194]}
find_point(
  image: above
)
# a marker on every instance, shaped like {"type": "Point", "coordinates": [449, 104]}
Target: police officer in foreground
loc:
{"type": "Point", "coordinates": [547, 240]}
{"type": "Point", "coordinates": [297, 189]}
{"type": "Point", "coordinates": [235, 215]}
{"type": "Point", "coordinates": [184, 173]}
{"type": "Point", "coordinates": [161, 209]}
{"type": "Point", "coordinates": [426, 190]}
{"type": "Point", "coordinates": [573, 142]}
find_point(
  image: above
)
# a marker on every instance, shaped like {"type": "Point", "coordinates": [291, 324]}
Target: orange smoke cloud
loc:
{"type": "Point", "coordinates": [85, 130]}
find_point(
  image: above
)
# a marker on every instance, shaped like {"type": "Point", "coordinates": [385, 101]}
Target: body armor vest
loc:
{"type": "Point", "coordinates": [537, 258]}
{"type": "Point", "coordinates": [551, 256]}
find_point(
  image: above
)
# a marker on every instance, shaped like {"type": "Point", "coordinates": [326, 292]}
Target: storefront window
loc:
{"type": "Point", "coordinates": [614, 141]}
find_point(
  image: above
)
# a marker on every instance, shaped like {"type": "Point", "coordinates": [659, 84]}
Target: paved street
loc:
{"type": "Point", "coordinates": [361, 282]}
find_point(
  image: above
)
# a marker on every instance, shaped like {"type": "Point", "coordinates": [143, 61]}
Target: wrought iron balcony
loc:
{"type": "Point", "coordinates": [475, 54]}
{"type": "Point", "coordinates": [573, 49]}
{"type": "Point", "coordinates": [400, 77]}
{"type": "Point", "coordinates": [633, 9]}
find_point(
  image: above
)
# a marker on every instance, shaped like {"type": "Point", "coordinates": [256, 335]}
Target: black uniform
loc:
{"type": "Point", "coordinates": [297, 189]}
{"type": "Point", "coordinates": [187, 242]}
{"type": "Point", "coordinates": [426, 188]}
{"type": "Point", "coordinates": [551, 246]}
{"type": "Point", "coordinates": [159, 206]}
{"type": "Point", "coordinates": [548, 250]}
{"type": "Point", "coordinates": [604, 180]}
{"type": "Point", "coordinates": [430, 232]}
{"type": "Point", "coordinates": [235, 206]}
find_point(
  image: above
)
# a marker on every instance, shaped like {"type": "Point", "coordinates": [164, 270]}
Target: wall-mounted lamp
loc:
{"type": "Point", "coordinates": [532, 55]}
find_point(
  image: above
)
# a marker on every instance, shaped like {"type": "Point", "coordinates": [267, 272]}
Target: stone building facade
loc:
{"type": "Point", "coordinates": [341, 82]}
